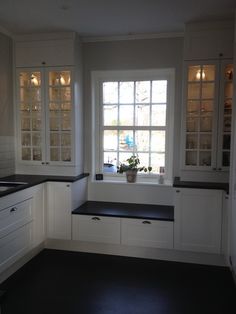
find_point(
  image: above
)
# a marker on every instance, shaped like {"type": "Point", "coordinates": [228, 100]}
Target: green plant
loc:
{"type": "Point", "coordinates": [132, 164]}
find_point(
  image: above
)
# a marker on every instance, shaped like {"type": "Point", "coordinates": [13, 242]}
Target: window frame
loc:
{"type": "Point", "coordinates": [97, 79]}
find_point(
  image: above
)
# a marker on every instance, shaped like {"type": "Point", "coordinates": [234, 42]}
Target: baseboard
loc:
{"type": "Point", "coordinates": [133, 251]}
{"type": "Point", "coordinates": [19, 263]}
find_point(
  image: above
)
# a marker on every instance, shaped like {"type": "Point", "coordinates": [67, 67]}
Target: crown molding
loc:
{"type": "Point", "coordinates": [131, 37]}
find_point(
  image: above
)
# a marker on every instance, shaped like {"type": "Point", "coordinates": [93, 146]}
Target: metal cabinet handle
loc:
{"type": "Point", "coordinates": [47, 163]}
{"type": "Point", "coordinates": [213, 168]}
{"type": "Point", "coordinates": [219, 169]}
{"type": "Point", "coordinates": [96, 218]}
{"type": "Point", "coordinates": [43, 163]}
{"type": "Point", "coordinates": [177, 191]}
{"type": "Point", "coordinates": [146, 222]}
{"type": "Point", "coordinates": [13, 209]}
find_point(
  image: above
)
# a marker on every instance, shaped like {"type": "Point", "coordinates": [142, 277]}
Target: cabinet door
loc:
{"type": "Point", "coordinates": [147, 233]}
{"type": "Point", "coordinates": [59, 210]}
{"type": "Point", "coordinates": [44, 52]}
{"type": "Point", "coordinates": [59, 112]}
{"type": "Point", "coordinates": [225, 115]}
{"type": "Point", "coordinates": [198, 220]}
{"type": "Point", "coordinates": [38, 225]}
{"type": "Point", "coordinates": [200, 118]}
{"type": "Point", "coordinates": [30, 109]}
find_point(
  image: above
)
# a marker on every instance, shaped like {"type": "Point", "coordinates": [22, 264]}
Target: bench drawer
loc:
{"type": "Point", "coordinates": [96, 229]}
{"type": "Point", "coordinates": [147, 233]}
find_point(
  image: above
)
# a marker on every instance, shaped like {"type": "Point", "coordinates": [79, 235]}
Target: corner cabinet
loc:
{"type": "Point", "coordinates": [48, 107]}
{"type": "Point", "coordinates": [207, 115]}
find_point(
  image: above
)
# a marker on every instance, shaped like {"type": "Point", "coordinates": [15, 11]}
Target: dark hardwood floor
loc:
{"type": "Point", "coordinates": [81, 283]}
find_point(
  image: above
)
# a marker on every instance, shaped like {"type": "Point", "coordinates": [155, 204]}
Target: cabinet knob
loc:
{"type": "Point", "coordinates": [43, 62]}
{"type": "Point", "coordinates": [146, 222]}
{"type": "Point", "coordinates": [213, 168]}
{"type": "Point", "coordinates": [219, 169]}
{"type": "Point", "coordinates": [43, 163]}
{"type": "Point", "coordinates": [177, 191]}
{"type": "Point", "coordinates": [47, 163]}
{"type": "Point", "coordinates": [68, 185]}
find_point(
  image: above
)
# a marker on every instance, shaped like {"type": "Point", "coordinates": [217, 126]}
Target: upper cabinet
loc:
{"type": "Point", "coordinates": [49, 106]}
{"type": "Point", "coordinates": [56, 50]}
{"type": "Point", "coordinates": [207, 99]}
{"type": "Point", "coordinates": [209, 40]}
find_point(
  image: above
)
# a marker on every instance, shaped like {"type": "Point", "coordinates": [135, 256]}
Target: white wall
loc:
{"type": "Point", "coordinates": [6, 108]}
{"type": "Point", "coordinates": [125, 55]}
{"type": "Point", "coordinates": [233, 174]}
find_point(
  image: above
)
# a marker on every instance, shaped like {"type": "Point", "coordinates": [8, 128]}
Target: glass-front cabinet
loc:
{"type": "Point", "coordinates": [207, 119]}
{"type": "Point", "coordinates": [45, 115]}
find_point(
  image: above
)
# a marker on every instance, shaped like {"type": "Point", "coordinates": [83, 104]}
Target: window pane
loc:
{"type": "Point", "coordinates": [144, 159]}
{"type": "Point", "coordinates": [110, 140]}
{"type": "Point", "coordinates": [110, 92]}
{"type": "Point", "coordinates": [126, 115]}
{"type": "Point", "coordinates": [142, 94]}
{"type": "Point", "coordinates": [157, 161]}
{"type": "Point", "coordinates": [159, 91]}
{"type": "Point", "coordinates": [158, 115]}
{"type": "Point", "coordinates": [142, 115]}
{"type": "Point", "coordinates": [126, 92]}
{"type": "Point", "coordinates": [158, 141]}
{"type": "Point", "coordinates": [110, 115]}
{"type": "Point", "coordinates": [123, 157]}
{"type": "Point", "coordinates": [208, 90]}
{"type": "Point", "coordinates": [194, 91]}
{"type": "Point", "coordinates": [110, 158]}
{"type": "Point", "coordinates": [126, 140]}
{"type": "Point", "coordinates": [142, 140]}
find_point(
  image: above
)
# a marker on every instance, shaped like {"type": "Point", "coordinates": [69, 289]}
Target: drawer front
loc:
{"type": "Point", "coordinates": [147, 233]}
{"type": "Point", "coordinates": [15, 216]}
{"type": "Point", "coordinates": [14, 245]}
{"type": "Point", "coordinates": [96, 229]}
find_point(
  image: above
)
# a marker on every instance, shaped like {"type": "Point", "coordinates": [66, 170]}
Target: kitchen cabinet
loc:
{"type": "Point", "coordinates": [208, 98]}
{"type": "Point", "coordinates": [61, 199]}
{"type": "Point", "coordinates": [49, 106]}
{"type": "Point", "coordinates": [198, 220]}
{"type": "Point", "coordinates": [15, 229]}
{"type": "Point", "coordinates": [147, 233]}
{"type": "Point", "coordinates": [39, 216]}
{"type": "Point", "coordinates": [59, 207]}
{"type": "Point", "coordinates": [96, 229]}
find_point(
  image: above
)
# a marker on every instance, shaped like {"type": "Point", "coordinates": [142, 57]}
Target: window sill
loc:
{"type": "Point", "coordinates": [141, 180]}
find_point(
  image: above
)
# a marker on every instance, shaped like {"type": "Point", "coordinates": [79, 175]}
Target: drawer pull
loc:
{"type": "Point", "coordinates": [146, 222]}
{"type": "Point", "coordinates": [13, 209]}
{"type": "Point", "coordinates": [96, 218]}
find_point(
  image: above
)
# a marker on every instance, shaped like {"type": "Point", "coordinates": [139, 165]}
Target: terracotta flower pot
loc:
{"type": "Point", "coordinates": [131, 176]}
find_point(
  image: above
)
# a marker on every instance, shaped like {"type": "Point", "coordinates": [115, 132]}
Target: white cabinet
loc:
{"type": "Point", "coordinates": [96, 229]}
{"type": "Point", "coordinates": [147, 233]}
{"type": "Point", "coordinates": [49, 105]}
{"type": "Point", "coordinates": [198, 220]}
{"type": "Point", "coordinates": [59, 210]}
{"type": "Point", "coordinates": [39, 219]}
{"type": "Point", "coordinates": [47, 49]}
{"type": "Point", "coordinates": [15, 228]}
{"type": "Point", "coordinates": [61, 199]}
{"type": "Point", "coordinates": [207, 114]}
{"type": "Point", "coordinates": [209, 40]}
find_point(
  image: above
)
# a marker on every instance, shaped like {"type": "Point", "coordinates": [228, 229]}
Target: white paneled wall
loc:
{"type": "Point", "coordinates": [7, 162]}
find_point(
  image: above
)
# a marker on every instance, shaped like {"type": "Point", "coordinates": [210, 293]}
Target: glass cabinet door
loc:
{"type": "Point", "coordinates": [201, 85]}
{"type": "Point", "coordinates": [225, 116]}
{"type": "Point", "coordinates": [30, 109]}
{"type": "Point", "coordinates": [59, 115]}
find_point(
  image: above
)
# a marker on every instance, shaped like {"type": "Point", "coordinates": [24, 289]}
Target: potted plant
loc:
{"type": "Point", "coordinates": [131, 168]}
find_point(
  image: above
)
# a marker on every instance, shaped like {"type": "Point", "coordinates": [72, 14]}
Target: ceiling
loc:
{"type": "Point", "coordinates": [109, 17]}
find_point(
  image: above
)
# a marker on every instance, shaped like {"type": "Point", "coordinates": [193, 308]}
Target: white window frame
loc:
{"type": "Point", "coordinates": [97, 78]}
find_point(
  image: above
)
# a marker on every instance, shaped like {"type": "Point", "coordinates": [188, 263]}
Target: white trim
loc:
{"type": "Point", "coordinates": [149, 74]}
{"type": "Point", "coordinates": [88, 39]}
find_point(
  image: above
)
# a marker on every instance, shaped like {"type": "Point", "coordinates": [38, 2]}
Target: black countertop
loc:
{"type": "Point", "coordinates": [126, 210]}
{"type": "Point", "coordinates": [32, 180]}
{"type": "Point", "coordinates": [200, 185]}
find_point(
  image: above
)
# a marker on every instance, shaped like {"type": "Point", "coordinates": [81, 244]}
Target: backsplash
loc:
{"type": "Point", "coordinates": [7, 156]}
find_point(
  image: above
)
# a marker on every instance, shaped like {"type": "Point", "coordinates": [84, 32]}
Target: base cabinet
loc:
{"type": "Point", "coordinates": [198, 220]}
{"type": "Point", "coordinates": [147, 233]}
{"type": "Point", "coordinates": [59, 210]}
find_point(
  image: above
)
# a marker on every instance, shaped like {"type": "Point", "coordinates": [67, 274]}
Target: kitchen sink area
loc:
{"type": "Point", "coordinates": [7, 185]}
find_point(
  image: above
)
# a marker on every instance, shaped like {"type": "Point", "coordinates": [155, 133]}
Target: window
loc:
{"type": "Point", "coordinates": [134, 115]}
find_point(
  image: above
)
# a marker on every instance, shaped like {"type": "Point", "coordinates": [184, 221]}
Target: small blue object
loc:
{"type": "Point", "coordinates": [129, 140]}
{"type": "Point", "coordinates": [107, 167]}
